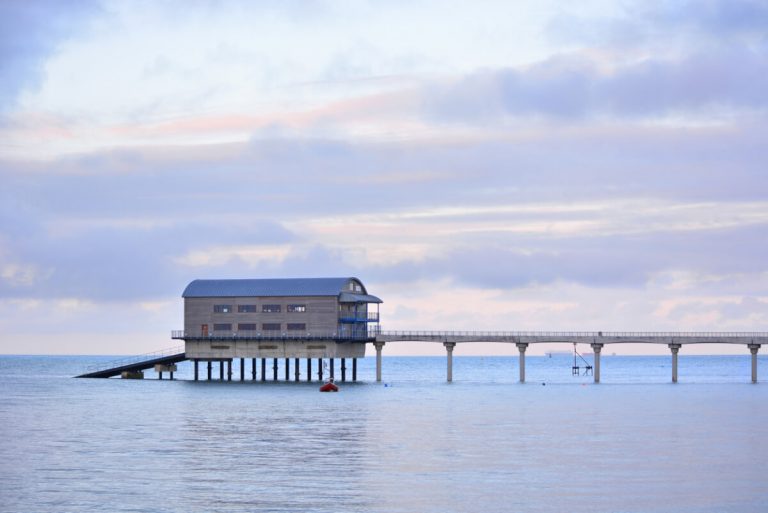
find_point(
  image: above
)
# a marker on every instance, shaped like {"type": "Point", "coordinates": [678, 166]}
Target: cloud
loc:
{"type": "Point", "coordinates": [573, 87]}
{"type": "Point", "coordinates": [29, 33]}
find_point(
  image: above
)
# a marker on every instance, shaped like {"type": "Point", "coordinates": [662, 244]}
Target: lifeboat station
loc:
{"type": "Point", "coordinates": [293, 321]}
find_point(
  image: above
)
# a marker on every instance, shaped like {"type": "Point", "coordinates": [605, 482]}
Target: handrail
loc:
{"type": "Point", "coordinates": [136, 359]}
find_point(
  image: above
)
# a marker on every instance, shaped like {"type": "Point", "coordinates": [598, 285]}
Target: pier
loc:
{"type": "Point", "coordinates": [596, 340]}
{"type": "Point", "coordinates": [284, 348]}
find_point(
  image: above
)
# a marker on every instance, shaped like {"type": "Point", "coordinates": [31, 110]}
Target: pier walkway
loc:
{"type": "Point", "coordinates": [595, 339]}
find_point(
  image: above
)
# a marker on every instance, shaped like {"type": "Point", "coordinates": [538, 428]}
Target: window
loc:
{"type": "Point", "coordinates": [246, 308]}
{"type": "Point", "coordinates": [222, 327]}
{"type": "Point", "coordinates": [297, 308]}
{"type": "Point", "coordinates": [297, 326]}
{"type": "Point", "coordinates": [246, 327]}
{"type": "Point", "coordinates": [271, 326]}
{"type": "Point", "coordinates": [270, 308]}
{"type": "Point", "coordinates": [222, 308]}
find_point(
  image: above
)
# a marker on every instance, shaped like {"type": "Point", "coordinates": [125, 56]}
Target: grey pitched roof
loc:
{"type": "Point", "coordinates": [269, 287]}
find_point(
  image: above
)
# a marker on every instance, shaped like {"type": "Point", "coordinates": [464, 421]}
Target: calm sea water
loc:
{"type": "Point", "coordinates": [484, 443]}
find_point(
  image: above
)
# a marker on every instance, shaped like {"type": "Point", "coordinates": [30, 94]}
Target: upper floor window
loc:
{"type": "Point", "coordinates": [270, 308]}
{"type": "Point", "coordinates": [246, 327]}
{"type": "Point", "coordinates": [222, 308]}
{"type": "Point", "coordinates": [246, 308]}
{"type": "Point", "coordinates": [271, 326]}
{"type": "Point", "coordinates": [297, 308]}
{"type": "Point", "coordinates": [300, 326]}
{"type": "Point", "coordinates": [222, 327]}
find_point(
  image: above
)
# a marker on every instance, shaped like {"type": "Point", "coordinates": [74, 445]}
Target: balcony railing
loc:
{"type": "Point", "coordinates": [270, 335]}
{"type": "Point", "coordinates": [359, 317]}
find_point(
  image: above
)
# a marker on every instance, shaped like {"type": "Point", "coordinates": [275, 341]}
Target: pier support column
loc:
{"type": "Point", "coordinates": [753, 349]}
{"type": "Point", "coordinates": [296, 371]}
{"type": "Point", "coordinates": [449, 350]}
{"type": "Point", "coordinates": [330, 369]}
{"type": "Point", "coordinates": [171, 375]}
{"type": "Point", "coordinates": [320, 369]}
{"type": "Point", "coordinates": [378, 346]}
{"type": "Point", "coordinates": [263, 369]}
{"type": "Point", "coordinates": [160, 375]}
{"type": "Point", "coordinates": [221, 370]}
{"type": "Point", "coordinates": [522, 347]}
{"type": "Point", "coordinates": [287, 369]}
{"type": "Point", "coordinates": [229, 370]}
{"type": "Point", "coordinates": [343, 370]}
{"type": "Point", "coordinates": [242, 369]}
{"type": "Point", "coordinates": [196, 363]}
{"type": "Point", "coordinates": [309, 369]}
{"type": "Point", "coordinates": [253, 369]}
{"type": "Point", "coordinates": [354, 369]}
{"type": "Point", "coordinates": [674, 348]}
{"type": "Point", "coordinates": [210, 364]}
{"type": "Point", "coordinates": [597, 348]}
{"type": "Point", "coordinates": [274, 369]}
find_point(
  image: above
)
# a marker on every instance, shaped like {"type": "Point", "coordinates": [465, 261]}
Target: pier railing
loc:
{"type": "Point", "coordinates": [598, 337]}
{"type": "Point", "coordinates": [271, 335]}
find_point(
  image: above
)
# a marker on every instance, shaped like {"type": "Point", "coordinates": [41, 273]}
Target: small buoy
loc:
{"type": "Point", "coordinates": [329, 387]}
{"type": "Point", "coordinates": [543, 384]}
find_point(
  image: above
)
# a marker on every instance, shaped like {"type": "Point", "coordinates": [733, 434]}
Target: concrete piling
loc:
{"type": "Point", "coordinates": [522, 347]}
{"type": "Point", "coordinates": [597, 348]}
{"type": "Point", "coordinates": [675, 348]}
{"type": "Point", "coordinates": [449, 357]}
{"type": "Point", "coordinates": [378, 346]}
{"type": "Point", "coordinates": [753, 349]}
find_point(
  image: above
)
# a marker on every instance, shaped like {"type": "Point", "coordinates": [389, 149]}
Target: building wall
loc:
{"type": "Point", "coordinates": [321, 315]}
{"type": "Point", "coordinates": [237, 348]}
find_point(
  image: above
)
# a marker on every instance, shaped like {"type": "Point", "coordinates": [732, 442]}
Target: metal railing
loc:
{"type": "Point", "coordinates": [129, 360]}
{"type": "Point", "coordinates": [564, 334]}
{"type": "Point", "coordinates": [269, 335]}
{"type": "Point", "coordinates": [359, 317]}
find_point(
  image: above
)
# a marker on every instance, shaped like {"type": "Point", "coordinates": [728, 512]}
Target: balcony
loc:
{"type": "Point", "coordinates": [358, 317]}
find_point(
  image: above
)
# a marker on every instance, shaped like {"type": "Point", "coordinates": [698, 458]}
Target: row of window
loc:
{"type": "Point", "coordinates": [264, 308]}
{"type": "Point", "coordinates": [267, 326]}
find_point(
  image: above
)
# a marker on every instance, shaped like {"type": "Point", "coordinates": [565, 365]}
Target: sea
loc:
{"type": "Point", "coordinates": [411, 443]}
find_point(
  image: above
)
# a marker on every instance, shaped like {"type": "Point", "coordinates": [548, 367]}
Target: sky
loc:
{"type": "Point", "coordinates": [528, 165]}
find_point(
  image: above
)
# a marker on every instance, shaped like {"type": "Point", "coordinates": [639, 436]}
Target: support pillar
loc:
{"type": "Point", "coordinates": [253, 369]}
{"type": "Point", "coordinates": [343, 370]}
{"type": "Point", "coordinates": [449, 350]}
{"type": "Point", "coordinates": [229, 369]}
{"type": "Point", "coordinates": [196, 365]}
{"type": "Point", "coordinates": [753, 349]}
{"type": "Point", "coordinates": [242, 369]}
{"type": "Point", "coordinates": [274, 369]}
{"type": "Point", "coordinates": [171, 373]}
{"type": "Point", "coordinates": [320, 369]}
{"type": "Point", "coordinates": [210, 364]}
{"type": "Point", "coordinates": [296, 371]}
{"type": "Point", "coordinates": [522, 347]}
{"type": "Point", "coordinates": [596, 347]}
{"type": "Point", "coordinates": [354, 369]}
{"type": "Point", "coordinates": [263, 369]}
{"type": "Point", "coordinates": [221, 370]}
{"type": "Point", "coordinates": [160, 375]}
{"type": "Point", "coordinates": [309, 369]}
{"type": "Point", "coordinates": [378, 346]}
{"type": "Point", "coordinates": [330, 369]}
{"type": "Point", "coordinates": [287, 369]}
{"type": "Point", "coordinates": [674, 348]}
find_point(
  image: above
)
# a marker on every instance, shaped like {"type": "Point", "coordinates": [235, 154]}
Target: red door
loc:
{"type": "Point", "coordinates": [204, 330]}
